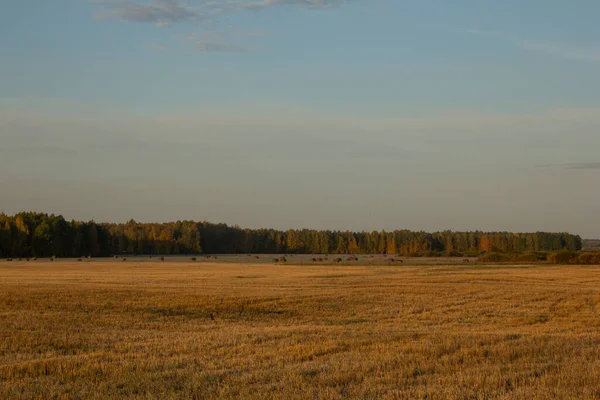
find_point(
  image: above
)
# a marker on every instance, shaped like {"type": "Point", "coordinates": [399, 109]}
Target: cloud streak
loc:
{"type": "Point", "coordinates": [161, 13]}
{"type": "Point", "coordinates": [218, 41]}
{"type": "Point", "coordinates": [306, 3]}
{"type": "Point", "coordinates": [168, 13]}
{"type": "Point", "coordinates": [576, 166]}
{"type": "Point", "coordinates": [562, 50]}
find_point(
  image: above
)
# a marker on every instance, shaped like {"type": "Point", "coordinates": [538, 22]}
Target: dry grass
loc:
{"type": "Point", "coordinates": [188, 330]}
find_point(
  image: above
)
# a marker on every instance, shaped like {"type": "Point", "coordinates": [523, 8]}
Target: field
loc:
{"type": "Point", "coordinates": [255, 330]}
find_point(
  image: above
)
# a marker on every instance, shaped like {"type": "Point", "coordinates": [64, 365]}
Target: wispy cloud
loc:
{"type": "Point", "coordinates": [306, 3]}
{"type": "Point", "coordinates": [161, 13]}
{"type": "Point", "coordinates": [586, 165]}
{"type": "Point", "coordinates": [159, 47]}
{"type": "Point", "coordinates": [199, 14]}
{"type": "Point", "coordinates": [219, 47]}
{"type": "Point", "coordinates": [563, 50]}
{"type": "Point", "coordinates": [226, 41]}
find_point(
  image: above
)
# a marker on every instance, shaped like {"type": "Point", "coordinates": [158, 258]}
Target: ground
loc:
{"type": "Point", "coordinates": [184, 330]}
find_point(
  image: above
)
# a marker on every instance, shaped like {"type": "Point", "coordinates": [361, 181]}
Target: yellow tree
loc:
{"type": "Point", "coordinates": [391, 244]}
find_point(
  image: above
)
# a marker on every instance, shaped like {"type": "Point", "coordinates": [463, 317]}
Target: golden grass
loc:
{"type": "Point", "coordinates": [194, 331]}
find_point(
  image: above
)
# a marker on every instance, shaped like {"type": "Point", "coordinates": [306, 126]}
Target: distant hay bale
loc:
{"type": "Point", "coordinates": [9, 259]}
{"type": "Point", "coordinates": [466, 260]}
{"type": "Point", "coordinates": [257, 257]}
{"type": "Point", "coordinates": [215, 257]}
{"type": "Point", "coordinates": [162, 259]}
{"type": "Point", "coordinates": [276, 260]}
{"type": "Point", "coordinates": [123, 260]}
{"type": "Point", "coordinates": [79, 259]}
{"type": "Point", "coordinates": [20, 259]}
{"type": "Point", "coordinates": [192, 258]}
{"type": "Point", "coordinates": [338, 260]}
{"type": "Point", "coordinates": [34, 258]}
{"type": "Point", "coordinates": [320, 259]}
{"type": "Point", "coordinates": [116, 256]}
{"type": "Point", "coordinates": [314, 260]}
{"type": "Point", "coordinates": [283, 259]}
{"type": "Point", "coordinates": [27, 259]}
{"type": "Point", "coordinates": [392, 259]}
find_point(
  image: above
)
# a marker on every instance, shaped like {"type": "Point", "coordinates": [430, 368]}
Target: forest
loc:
{"type": "Point", "coordinates": [30, 234]}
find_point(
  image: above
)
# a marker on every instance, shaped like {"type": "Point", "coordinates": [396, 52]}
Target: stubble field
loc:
{"type": "Point", "coordinates": [203, 330]}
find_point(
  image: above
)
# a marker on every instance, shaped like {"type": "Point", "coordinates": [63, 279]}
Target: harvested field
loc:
{"type": "Point", "coordinates": [202, 330]}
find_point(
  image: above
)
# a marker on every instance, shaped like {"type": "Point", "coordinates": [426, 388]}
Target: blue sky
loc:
{"type": "Point", "coordinates": [327, 114]}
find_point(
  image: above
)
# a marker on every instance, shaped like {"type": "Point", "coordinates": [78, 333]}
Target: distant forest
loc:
{"type": "Point", "coordinates": [32, 234]}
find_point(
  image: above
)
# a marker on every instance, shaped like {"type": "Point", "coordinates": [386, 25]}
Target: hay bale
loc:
{"type": "Point", "coordinates": [192, 258]}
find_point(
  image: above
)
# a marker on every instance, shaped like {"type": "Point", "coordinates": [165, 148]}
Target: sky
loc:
{"type": "Point", "coordinates": [340, 114]}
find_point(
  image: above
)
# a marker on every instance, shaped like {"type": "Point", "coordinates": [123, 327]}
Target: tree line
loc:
{"type": "Point", "coordinates": [591, 243]}
{"type": "Point", "coordinates": [30, 234]}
